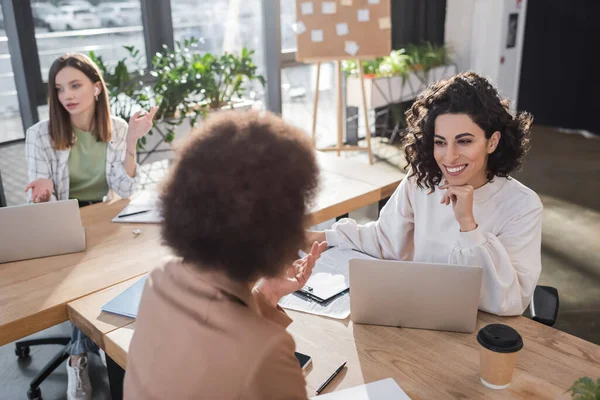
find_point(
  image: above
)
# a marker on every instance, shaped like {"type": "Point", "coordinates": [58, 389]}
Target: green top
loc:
{"type": "Point", "coordinates": [87, 167]}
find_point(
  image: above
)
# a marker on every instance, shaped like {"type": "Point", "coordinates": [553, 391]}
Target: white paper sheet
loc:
{"type": "Point", "coordinates": [335, 262]}
{"type": "Point", "coordinates": [363, 15]}
{"type": "Point", "coordinates": [307, 8]}
{"type": "Point", "coordinates": [351, 48]}
{"type": "Point", "coordinates": [328, 7]}
{"type": "Point", "coordinates": [316, 35]}
{"type": "Point", "coordinates": [145, 200]}
{"type": "Point", "coordinates": [342, 29]}
{"type": "Point", "coordinates": [374, 1]}
{"type": "Point", "coordinates": [385, 389]}
{"type": "Point", "coordinates": [385, 23]}
{"type": "Point", "coordinates": [299, 27]}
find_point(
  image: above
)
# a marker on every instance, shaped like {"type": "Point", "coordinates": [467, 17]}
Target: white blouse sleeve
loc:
{"type": "Point", "coordinates": [511, 261]}
{"type": "Point", "coordinates": [390, 237]}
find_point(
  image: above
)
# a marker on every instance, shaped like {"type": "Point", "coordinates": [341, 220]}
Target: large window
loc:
{"type": "Point", "coordinates": [298, 93]}
{"type": "Point", "coordinates": [222, 26]}
{"type": "Point", "coordinates": [10, 117]}
{"type": "Point", "coordinates": [78, 26]}
{"type": "Point", "coordinates": [288, 19]}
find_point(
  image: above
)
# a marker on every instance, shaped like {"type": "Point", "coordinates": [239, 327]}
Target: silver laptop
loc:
{"type": "Point", "coordinates": [415, 295]}
{"type": "Point", "coordinates": [40, 230]}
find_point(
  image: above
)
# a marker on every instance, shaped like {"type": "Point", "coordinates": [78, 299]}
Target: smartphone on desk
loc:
{"type": "Point", "coordinates": [303, 359]}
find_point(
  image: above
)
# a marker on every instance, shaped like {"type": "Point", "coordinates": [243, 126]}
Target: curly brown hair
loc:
{"type": "Point", "coordinates": [238, 195]}
{"type": "Point", "coordinates": [471, 94]}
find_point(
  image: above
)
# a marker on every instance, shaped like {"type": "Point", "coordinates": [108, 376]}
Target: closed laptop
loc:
{"type": "Point", "coordinates": [40, 230]}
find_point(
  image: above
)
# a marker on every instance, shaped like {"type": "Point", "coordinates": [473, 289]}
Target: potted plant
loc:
{"type": "Point", "coordinates": [399, 77]}
{"type": "Point", "coordinates": [585, 389]}
{"type": "Point", "coordinates": [183, 83]}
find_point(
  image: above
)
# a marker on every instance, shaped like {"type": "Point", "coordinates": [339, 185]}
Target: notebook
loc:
{"type": "Point", "coordinates": [385, 389]}
{"type": "Point", "coordinates": [128, 302]}
{"type": "Point", "coordinates": [142, 209]}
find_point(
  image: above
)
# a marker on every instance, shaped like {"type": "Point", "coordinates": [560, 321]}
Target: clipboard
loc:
{"type": "Point", "coordinates": [330, 277]}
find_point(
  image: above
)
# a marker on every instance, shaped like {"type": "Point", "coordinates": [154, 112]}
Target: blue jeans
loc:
{"type": "Point", "coordinates": [81, 344]}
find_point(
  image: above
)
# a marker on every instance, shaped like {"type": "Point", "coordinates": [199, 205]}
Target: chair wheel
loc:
{"type": "Point", "coordinates": [34, 394]}
{"type": "Point", "coordinates": [22, 352]}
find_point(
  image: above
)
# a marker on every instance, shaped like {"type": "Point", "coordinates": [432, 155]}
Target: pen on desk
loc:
{"type": "Point", "coordinates": [133, 213]}
{"type": "Point", "coordinates": [337, 371]}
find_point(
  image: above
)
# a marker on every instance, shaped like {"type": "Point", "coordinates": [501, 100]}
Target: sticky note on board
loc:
{"type": "Point", "coordinates": [346, 3]}
{"type": "Point", "coordinates": [374, 1]}
{"type": "Point", "coordinates": [307, 8]}
{"type": "Point", "coordinates": [351, 48]}
{"type": "Point", "coordinates": [328, 7]}
{"type": "Point", "coordinates": [342, 29]}
{"type": "Point", "coordinates": [316, 35]}
{"type": "Point", "coordinates": [385, 23]}
{"type": "Point", "coordinates": [299, 28]}
{"type": "Point", "coordinates": [363, 15]}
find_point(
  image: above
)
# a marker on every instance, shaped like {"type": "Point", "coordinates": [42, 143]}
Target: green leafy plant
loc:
{"type": "Point", "coordinates": [224, 78]}
{"type": "Point", "coordinates": [585, 389]}
{"type": "Point", "coordinates": [182, 82]}
{"type": "Point", "coordinates": [370, 67]}
{"type": "Point", "coordinates": [419, 59]}
{"type": "Point", "coordinates": [397, 63]}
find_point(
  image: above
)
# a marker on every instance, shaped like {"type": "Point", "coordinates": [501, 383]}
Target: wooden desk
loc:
{"type": "Point", "coordinates": [34, 293]}
{"type": "Point", "coordinates": [426, 364]}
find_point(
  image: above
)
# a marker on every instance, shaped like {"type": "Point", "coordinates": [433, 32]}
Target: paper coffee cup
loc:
{"type": "Point", "coordinates": [500, 345]}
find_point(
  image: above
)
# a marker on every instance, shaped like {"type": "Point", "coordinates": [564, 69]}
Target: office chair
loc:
{"type": "Point", "coordinates": [2, 196]}
{"type": "Point", "coordinates": [544, 305]}
{"type": "Point", "coordinates": [22, 349]}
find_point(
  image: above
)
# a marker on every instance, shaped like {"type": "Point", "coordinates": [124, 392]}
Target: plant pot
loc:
{"type": "Point", "coordinates": [156, 149]}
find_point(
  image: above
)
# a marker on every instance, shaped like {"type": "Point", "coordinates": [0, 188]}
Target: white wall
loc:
{"type": "Point", "coordinates": [476, 31]}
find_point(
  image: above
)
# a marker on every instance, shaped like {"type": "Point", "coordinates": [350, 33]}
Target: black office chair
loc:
{"type": "Point", "coordinates": [2, 196]}
{"type": "Point", "coordinates": [22, 351]}
{"type": "Point", "coordinates": [544, 306]}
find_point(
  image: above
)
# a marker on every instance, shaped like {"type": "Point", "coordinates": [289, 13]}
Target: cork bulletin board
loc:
{"type": "Point", "coordinates": [342, 29]}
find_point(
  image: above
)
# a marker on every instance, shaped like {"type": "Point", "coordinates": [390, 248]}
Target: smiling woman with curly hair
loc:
{"type": "Point", "coordinates": [458, 204]}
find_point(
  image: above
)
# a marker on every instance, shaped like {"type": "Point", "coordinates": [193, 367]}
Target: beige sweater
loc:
{"type": "Point", "coordinates": [200, 335]}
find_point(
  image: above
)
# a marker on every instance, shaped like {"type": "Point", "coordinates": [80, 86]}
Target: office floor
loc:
{"type": "Point", "coordinates": [563, 169]}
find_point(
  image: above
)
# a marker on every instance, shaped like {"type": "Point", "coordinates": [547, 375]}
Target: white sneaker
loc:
{"type": "Point", "coordinates": [79, 387]}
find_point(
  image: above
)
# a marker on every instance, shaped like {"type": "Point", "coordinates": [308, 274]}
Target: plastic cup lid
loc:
{"type": "Point", "coordinates": [500, 338]}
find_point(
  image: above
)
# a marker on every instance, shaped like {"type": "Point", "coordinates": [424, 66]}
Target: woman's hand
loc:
{"type": "Point", "coordinates": [293, 278]}
{"type": "Point", "coordinates": [311, 238]}
{"type": "Point", "coordinates": [41, 190]}
{"type": "Point", "coordinates": [139, 125]}
{"type": "Point", "coordinates": [461, 198]}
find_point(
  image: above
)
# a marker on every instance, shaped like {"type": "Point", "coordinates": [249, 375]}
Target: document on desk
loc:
{"type": "Point", "coordinates": [329, 280]}
{"type": "Point", "coordinates": [385, 389]}
{"type": "Point", "coordinates": [142, 209]}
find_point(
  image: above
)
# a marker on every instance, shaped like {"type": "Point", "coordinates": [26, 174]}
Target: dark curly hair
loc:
{"type": "Point", "coordinates": [471, 94]}
{"type": "Point", "coordinates": [238, 196]}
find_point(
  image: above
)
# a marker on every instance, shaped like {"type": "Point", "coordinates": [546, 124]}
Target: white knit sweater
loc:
{"type": "Point", "coordinates": [414, 226]}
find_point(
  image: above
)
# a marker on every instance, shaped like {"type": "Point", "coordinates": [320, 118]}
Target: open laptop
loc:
{"type": "Point", "coordinates": [40, 230]}
{"type": "Point", "coordinates": [415, 295]}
